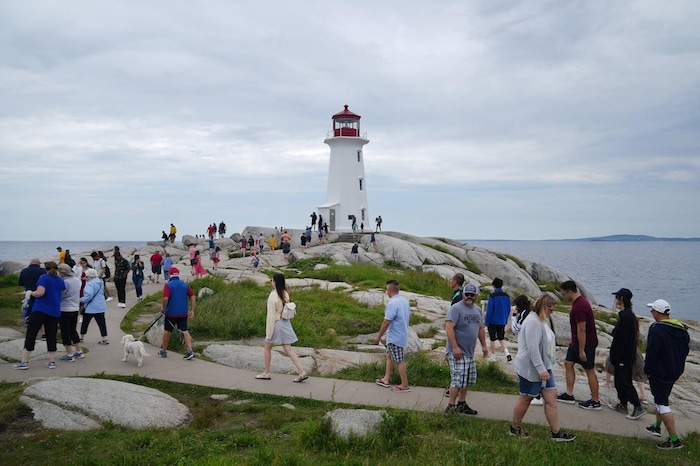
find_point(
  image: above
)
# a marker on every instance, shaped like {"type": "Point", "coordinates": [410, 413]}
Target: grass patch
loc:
{"type": "Point", "coordinates": [261, 432]}
{"type": "Point", "coordinates": [517, 261]}
{"type": "Point", "coordinates": [11, 302]}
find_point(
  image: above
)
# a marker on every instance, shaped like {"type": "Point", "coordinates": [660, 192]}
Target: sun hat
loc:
{"type": "Point", "coordinates": [65, 269]}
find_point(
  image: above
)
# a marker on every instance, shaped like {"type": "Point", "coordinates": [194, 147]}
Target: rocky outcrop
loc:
{"type": "Point", "coordinates": [83, 404]}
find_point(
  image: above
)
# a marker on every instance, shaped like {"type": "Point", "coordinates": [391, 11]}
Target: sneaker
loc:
{"type": "Point", "coordinates": [566, 398]}
{"type": "Point", "coordinates": [103, 342]}
{"type": "Point", "coordinates": [655, 431]}
{"type": "Point", "coordinates": [189, 355]}
{"type": "Point", "coordinates": [463, 408]}
{"type": "Point", "coordinates": [670, 445]}
{"type": "Point", "coordinates": [518, 432]}
{"type": "Point", "coordinates": [121, 305]}
{"type": "Point", "coordinates": [43, 337]}
{"type": "Point", "coordinates": [67, 357]}
{"type": "Point", "coordinates": [79, 355]}
{"type": "Point", "coordinates": [447, 393]}
{"type": "Point", "coordinates": [163, 354]}
{"type": "Point", "coordinates": [22, 366]}
{"type": "Point", "coordinates": [51, 365]}
{"type": "Point", "coordinates": [562, 436]}
{"type": "Point", "coordinates": [450, 410]}
{"type": "Point", "coordinates": [590, 404]}
{"type": "Point", "coordinates": [109, 299]}
{"type": "Point", "coordinates": [537, 401]}
{"type": "Point", "coordinates": [140, 298]}
{"type": "Point", "coordinates": [509, 358]}
{"type": "Point", "coordinates": [619, 407]}
{"type": "Point", "coordinates": [637, 413]}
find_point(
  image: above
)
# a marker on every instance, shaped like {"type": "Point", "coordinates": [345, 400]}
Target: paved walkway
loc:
{"type": "Point", "coordinates": [107, 359]}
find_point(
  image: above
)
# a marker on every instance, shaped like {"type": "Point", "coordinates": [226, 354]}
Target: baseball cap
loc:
{"type": "Point", "coordinates": [173, 271]}
{"type": "Point", "coordinates": [470, 289]}
{"type": "Point", "coordinates": [623, 293]}
{"type": "Point", "coordinates": [661, 306]}
{"type": "Point", "coordinates": [65, 269]}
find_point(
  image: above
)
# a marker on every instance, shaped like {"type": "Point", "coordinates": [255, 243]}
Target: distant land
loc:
{"type": "Point", "coordinates": [603, 238]}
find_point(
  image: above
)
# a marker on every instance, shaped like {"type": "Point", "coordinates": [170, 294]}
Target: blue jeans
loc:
{"type": "Point", "coordinates": [138, 284]}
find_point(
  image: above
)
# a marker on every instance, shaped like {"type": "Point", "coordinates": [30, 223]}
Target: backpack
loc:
{"type": "Point", "coordinates": [70, 262]}
{"type": "Point", "coordinates": [108, 273]}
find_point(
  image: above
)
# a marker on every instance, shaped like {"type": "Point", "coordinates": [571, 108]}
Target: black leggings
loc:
{"type": "Point", "coordinates": [69, 323]}
{"type": "Point", "coordinates": [100, 318]}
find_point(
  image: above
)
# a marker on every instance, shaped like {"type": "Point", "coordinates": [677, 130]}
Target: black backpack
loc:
{"type": "Point", "coordinates": [108, 273]}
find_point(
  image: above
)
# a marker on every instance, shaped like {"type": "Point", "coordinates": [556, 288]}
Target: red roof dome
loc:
{"type": "Point", "coordinates": [346, 114]}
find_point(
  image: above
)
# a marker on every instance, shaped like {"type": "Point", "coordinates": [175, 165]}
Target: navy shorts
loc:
{"type": "Point", "coordinates": [572, 356]}
{"type": "Point", "coordinates": [661, 391]}
{"type": "Point", "coordinates": [172, 322]}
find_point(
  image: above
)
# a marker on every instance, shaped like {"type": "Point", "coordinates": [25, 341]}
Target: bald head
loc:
{"type": "Point", "coordinates": [35, 261]}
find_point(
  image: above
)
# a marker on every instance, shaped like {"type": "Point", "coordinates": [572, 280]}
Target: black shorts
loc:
{"type": "Point", "coordinates": [172, 322]}
{"type": "Point", "coordinates": [497, 332]}
{"type": "Point", "coordinates": [156, 269]}
{"type": "Point", "coordinates": [572, 356]}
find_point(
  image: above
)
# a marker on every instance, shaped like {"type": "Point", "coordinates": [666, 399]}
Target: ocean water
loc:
{"type": "Point", "coordinates": [652, 270]}
{"type": "Point", "coordinates": [46, 250]}
{"type": "Point", "coordinates": [668, 270]}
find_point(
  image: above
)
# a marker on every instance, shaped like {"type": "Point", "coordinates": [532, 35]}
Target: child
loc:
{"type": "Point", "coordinates": [254, 261]}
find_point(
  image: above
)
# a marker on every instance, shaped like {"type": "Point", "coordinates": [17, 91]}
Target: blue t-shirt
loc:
{"type": "Point", "coordinates": [398, 312]}
{"type": "Point", "coordinates": [50, 303]}
{"type": "Point", "coordinates": [178, 293]}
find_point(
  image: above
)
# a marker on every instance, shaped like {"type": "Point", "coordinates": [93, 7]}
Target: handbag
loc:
{"type": "Point", "coordinates": [289, 310]}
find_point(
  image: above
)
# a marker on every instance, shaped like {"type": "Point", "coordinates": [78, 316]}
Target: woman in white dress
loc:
{"type": "Point", "coordinates": [279, 331]}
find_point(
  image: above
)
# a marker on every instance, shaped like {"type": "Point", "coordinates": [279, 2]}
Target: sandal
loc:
{"type": "Point", "coordinates": [263, 376]}
{"type": "Point", "coordinates": [381, 383]}
{"type": "Point", "coordinates": [301, 378]}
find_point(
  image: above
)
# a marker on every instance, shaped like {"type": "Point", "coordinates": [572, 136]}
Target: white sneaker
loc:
{"type": "Point", "coordinates": [537, 401]}
{"type": "Point", "coordinates": [109, 299]}
{"type": "Point", "coordinates": [121, 305]}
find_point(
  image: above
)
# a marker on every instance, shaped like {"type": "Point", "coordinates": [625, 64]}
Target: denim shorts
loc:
{"type": "Point", "coordinates": [533, 389]}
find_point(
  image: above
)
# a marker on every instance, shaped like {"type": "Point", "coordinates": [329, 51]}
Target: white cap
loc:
{"type": "Point", "coordinates": [661, 306]}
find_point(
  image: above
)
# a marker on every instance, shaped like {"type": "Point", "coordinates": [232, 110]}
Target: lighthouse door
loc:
{"type": "Point", "coordinates": [331, 224]}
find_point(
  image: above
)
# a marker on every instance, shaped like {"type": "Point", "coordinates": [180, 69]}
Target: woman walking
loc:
{"type": "Point", "coordinates": [137, 276]}
{"type": "Point", "coordinates": [70, 306]}
{"type": "Point", "coordinates": [95, 306]}
{"type": "Point", "coordinates": [46, 312]}
{"type": "Point", "coordinates": [199, 270]}
{"type": "Point", "coordinates": [279, 331]}
{"type": "Point", "coordinates": [533, 364]}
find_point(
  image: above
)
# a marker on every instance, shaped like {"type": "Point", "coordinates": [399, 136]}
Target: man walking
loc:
{"type": "Point", "coordinates": [121, 272]}
{"type": "Point", "coordinates": [623, 353]}
{"type": "Point", "coordinates": [668, 344]}
{"type": "Point", "coordinates": [463, 326]}
{"type": "Point", "coordinates": [395, 324]}
{"type": "Point", "coordinates": [457, 285]}
{"type": "Point", "coordinates": [584, 340]}
{"type": "Point", "coordinates": [156, 266]}
{"type": "Point", "coordinates": [497, 314]}
{"type": "Point", "coordinates": [176, 294]}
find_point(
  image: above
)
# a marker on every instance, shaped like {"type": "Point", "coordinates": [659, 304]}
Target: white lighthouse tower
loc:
{"type": "Point", "coordinates": [346, 195]}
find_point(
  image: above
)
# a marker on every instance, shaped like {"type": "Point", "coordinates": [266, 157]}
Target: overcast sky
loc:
{"type": "Point", "coordinates": [486, 119]}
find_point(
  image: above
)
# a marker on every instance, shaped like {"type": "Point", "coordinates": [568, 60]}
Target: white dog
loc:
{"type": "Point", "coordinates": [135, 347]}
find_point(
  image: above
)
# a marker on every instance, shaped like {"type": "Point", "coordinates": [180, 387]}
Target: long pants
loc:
{"type": "Point", "coordinates": [69, 324]}
{"type": "Point", "coordinates": [36, 320]}
{"type": "Point", "coordinates": [120, 283]}
{"type": "Point", "coordinates": [138, 283]}
{"type": "Point", "coordinates": [623, 384]}
{"type": "Point", "coordinates": [100, 318]}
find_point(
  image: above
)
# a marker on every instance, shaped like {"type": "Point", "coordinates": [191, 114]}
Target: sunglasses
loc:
{"type": "Point", "coordinates": [469, 294]}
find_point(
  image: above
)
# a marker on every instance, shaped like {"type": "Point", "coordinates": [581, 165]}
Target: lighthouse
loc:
{"type": "Point", "coordinates": [346, 195]}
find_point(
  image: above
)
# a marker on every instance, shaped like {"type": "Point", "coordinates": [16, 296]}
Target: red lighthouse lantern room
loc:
{"type": "Point", "coordinates": [346, 123]}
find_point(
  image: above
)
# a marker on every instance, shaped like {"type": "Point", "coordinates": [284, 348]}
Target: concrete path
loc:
{"type": "Point", "coordinates": [107, 359]}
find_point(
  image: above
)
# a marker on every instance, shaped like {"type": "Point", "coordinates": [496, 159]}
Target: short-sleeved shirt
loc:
{"type": "Point", "coordinates": [50, 303]}
{"type": "Point", "coordinates": [398, 312]}
{"type": "Point", "coordinates": [467, 321]}
{"type": "Point", "coordinates": [178, 293]}
{"type": "Point", "coordinates": [581, 312]}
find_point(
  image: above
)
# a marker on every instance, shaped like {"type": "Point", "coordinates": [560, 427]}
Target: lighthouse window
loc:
{"type": "Point", "coordinates": [360, 184]}
{"type": "Point", "coordinates": [359, 155]}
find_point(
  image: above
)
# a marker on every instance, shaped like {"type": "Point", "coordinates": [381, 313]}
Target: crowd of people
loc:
{"type": "Point", "coordinates": [64, 295]}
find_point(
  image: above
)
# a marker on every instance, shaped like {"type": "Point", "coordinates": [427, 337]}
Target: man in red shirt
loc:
{"type": "Point", "coordinates": [156, 266]}
{"type": "Point", "coordinates": [584, 341]}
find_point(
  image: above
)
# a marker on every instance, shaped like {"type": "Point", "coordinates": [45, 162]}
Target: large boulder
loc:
{"type": "Point", "coordinates": [514, 278]}
{"type": "Point", "coordinates": [82, 404]}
